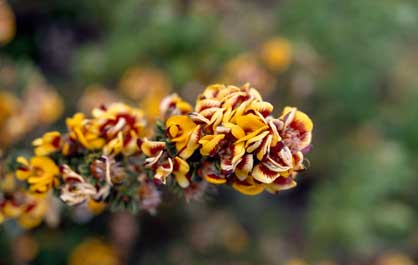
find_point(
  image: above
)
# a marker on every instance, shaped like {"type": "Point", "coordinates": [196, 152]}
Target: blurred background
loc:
{"type": "Point", "coordinates": [351, 65]}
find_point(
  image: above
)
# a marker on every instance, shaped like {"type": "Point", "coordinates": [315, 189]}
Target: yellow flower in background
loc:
{"type": "Point", "coordinates": [276, 54]}
{"type": "Point", "coordinates": [40, 173]}
{"type": "Point", "coordinates": [33, 214]}
{"type": "Point", "coordinates": [395, 258]}
{"type": "Point", "coordinates": [245, 68]}
{"type": "Point", "coordinates": [29, 211]}
{"type": "Point", "coordinates": [137, 83]}
{"type": "Point", "coordinates": [42, 103]}
{"type": "Point", "coordinates": [8, 105]}
{"type": "Point", "coordinates": [7, 23]}
{"type": "Point", "coordinates": [39, 105]}
{"type": "Point", "coordinates": [51, 108]}
{"type": "Point", "coordinates": [95, 96]}
{"type": "Point", "coordinates": [49, 143]}
{"type": "Point", "coordinates": [93, 252]}
{"type": "Point", "coordinates": [8, 182]}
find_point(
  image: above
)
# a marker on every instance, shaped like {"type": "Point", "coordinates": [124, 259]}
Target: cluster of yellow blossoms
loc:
{"type": "Point", "coordinates": [15, 203]}
{"type": "Point", "coordinates": [112, 131]}
{"type": "Point", "coordinates": [231, 138]}
{"type": "Point", "coordinates": [39, 105]}
{"type": "Point", "coordinates": [228, 137]}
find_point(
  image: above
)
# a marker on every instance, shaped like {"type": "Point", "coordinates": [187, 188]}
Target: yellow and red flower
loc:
{"type": "Point", "coordinates": [185, 133]}
{"type": "Point", "coordinates": [163, 165]}
{"type": "Point", "coordinates": [248, 147]}
{"type": "Point", "coordinates": [120, 126]}
{"type": "Point", "coordinates": [28, 210]}
{"type": "Point", "coordinates": [49, 143]}
{"type": "Point", "coordinates": [40, 173]}
{"type": "Point", "coordinates": [84, 132]}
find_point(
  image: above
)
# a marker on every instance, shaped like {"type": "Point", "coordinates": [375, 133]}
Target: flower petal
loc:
{"type": "Point", "coordinates": [264, 174]}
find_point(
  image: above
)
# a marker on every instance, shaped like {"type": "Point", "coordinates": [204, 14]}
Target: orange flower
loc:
{"type": "Point", "coordinates": [276, 54]}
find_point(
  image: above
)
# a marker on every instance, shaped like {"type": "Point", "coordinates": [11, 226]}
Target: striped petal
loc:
{"type": "Point", "coordinates": [244, 167]}
{"type": "Point", "coordinates": [264, 149]}
{"type": "Point", "coordinates": [211, 178]}
{"type": "Point", "coordinates": [180, 170]}
{"type": "Point", "coordinates": [250, 122]}
{"type": "Point", "coordinates": [280, 184]}
{"type": "Point", "coordinates": [210, 143]}
{"type": "Point", "coordinates": [264, 174]}
{"type": "Point", "coordinates": [152, 148]}
{"type": "Point", "coordinates": [192, 143]}
{"type": "Point", "coordinates": [262, 107]}
{"type": "Point", "coordinates": [164, 170]}
{"type": "Point", "coordinates": [248, 187]}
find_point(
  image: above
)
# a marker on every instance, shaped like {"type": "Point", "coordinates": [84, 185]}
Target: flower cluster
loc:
{"type": "Point", "coordinates": [39, 104]}
{"type": "Point", "coordinates": [85, 164]}
{"type": "Point", "coordinates": [27, 209]}
{"type": "Point", "coordinates": [232, 138]}
{"type": "Point", "coordinates": [108, 159]}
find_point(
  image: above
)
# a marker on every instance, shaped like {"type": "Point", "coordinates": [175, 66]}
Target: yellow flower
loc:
{"type": "Point", "coordinates": [49, 143]}
{"type": "Point", "coordinates": [209, 144]}
{"type": "Point", "coordinates": [245, 68]}
{"type": "Point", "coordinates": [138, 82]}
{"type": "Point", "coordinates": [33, 214]}
{"type": "Point", "coordinates": [92, 252]}
{"type": "Point", "coordinates": [121, 126]}
{"type": "Point", "coordinates": [8, 105]}
{"type": "Point", "coordinates": [180, 170]}
{"type": "Point", "coordinates": [50, 107]}
{"type": "Point", "coordinates": [276, 54]}
{"type": "Point", "coordinates": [29, 211]}
{"type": "Point", "coordinates": [7, 23]}
{"type": "Point", "coordinates": [182, 131]}
{"type": "Point", "coordinates": [94, 96]}
{"type": "Point", "coordinates": [255, 151]}
{"type": "Point", "coordinates": [96, 207]}
{"type": "Point", "coordinates": [159, 160]}
{"type": "Point", "coordinates": [297, 131]}
{"type": "Point", "coordinates": [83, 131]}
{"type": "Point", "coordinates": [174, 105]}
{"type": "Point", "coordinates": [40, 173]}
{"type": "Point", "coordinates": [248, 186]}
